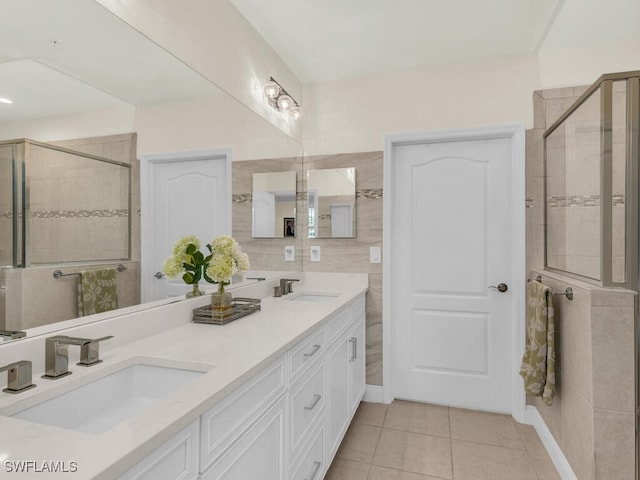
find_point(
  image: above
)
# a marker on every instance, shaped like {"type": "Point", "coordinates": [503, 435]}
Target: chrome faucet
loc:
{"type": "Point", "coordinates": [285, 285]}
{"type": "Point", "coordinates": [56, 355]}
{"type": "Point", "coordinates": [12, 334]}
{"type": "Point", "coordinates": [19, 376]}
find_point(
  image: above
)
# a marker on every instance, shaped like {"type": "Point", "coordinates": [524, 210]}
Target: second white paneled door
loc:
{"type": "Point", "coordinates": [451, 241]}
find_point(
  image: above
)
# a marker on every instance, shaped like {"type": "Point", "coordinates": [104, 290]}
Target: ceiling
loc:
{"type": "Point", "coordinates": [323, 40]}
{"type": "Point", "coordinates": [53, 62]}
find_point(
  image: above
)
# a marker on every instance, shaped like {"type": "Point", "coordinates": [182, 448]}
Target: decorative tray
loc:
{"type": "Point", "coordinates": [240, 307]}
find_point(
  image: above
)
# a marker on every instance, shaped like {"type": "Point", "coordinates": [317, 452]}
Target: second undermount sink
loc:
{"type": "Point", "coordinates": [104, 403]}
{"type": "Point", "coordinates": [312, 297]}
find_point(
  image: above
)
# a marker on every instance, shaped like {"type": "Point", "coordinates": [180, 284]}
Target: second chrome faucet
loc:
{"type": "Point", "coordinates": [56, 361]}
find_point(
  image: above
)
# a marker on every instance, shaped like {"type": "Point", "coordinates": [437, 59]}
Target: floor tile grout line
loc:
{"type": "Point", "coordinates": [453, 475]}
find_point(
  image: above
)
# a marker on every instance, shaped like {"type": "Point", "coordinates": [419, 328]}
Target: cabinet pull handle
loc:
{"type": "Point", "coordinates": [354, 348]}
{"type": "Point", "coordinates": [313, 351]}
{"type": "Point", "coordinates": [315, 470]}
{"type": "Point", "coordinates": [316, 399]}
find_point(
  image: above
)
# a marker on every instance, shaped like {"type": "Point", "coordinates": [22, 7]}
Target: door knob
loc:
{"type": "Point", "coordinates": [502, 287]}
{"type": "Point", "coordinates": [159, 275]}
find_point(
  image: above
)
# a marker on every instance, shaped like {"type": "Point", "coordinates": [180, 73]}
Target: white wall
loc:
{"type": "Point", "coordinates": [355, 114]}
{"type": "Point", "coordinates": [95, 123]}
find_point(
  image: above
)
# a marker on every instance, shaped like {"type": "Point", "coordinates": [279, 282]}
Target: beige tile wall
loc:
{"type": "Point", "coordinates": [592, 416]}
{"type": "Point", "coordinates": [264, 253]}
{"type": "Point", "coordinates": [352, 254]}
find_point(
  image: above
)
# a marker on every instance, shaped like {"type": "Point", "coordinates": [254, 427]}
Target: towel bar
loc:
{"type": "Point", "coordinates": [567, 293]}
{"type": "Point", "coordinates": [58, 273]}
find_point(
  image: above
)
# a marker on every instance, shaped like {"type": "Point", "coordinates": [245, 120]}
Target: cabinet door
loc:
{"type": "Point", "coordinates": [356, 364]}
{"type": "Point", "coordinates": [259, 453]}
{"type": "Point", "coordinates": [338, 412]}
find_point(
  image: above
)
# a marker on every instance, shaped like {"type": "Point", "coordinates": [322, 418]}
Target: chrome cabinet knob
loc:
{"type": "Point", "coordinates": [501, 287]}
{"type": "Point", "coordinates": [159, 275]}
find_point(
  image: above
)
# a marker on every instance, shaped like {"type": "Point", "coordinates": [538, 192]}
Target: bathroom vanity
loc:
{"type": "Point", "coordinates": [268, 396]}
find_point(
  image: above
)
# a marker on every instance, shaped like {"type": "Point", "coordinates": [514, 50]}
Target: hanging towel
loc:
{"type": "Point", "coordinates": [97, 292]}
{"type": "Point", "coordinates": [538, 361]}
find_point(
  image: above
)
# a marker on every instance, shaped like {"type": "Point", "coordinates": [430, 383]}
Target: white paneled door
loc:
{"type": "Point", "coordinates": [451, 238]}
{"type": "Point", "coordinates": [190, 194]}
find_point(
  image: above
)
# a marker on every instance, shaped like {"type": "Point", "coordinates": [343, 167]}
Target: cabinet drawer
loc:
{"type": "Point", "coordinates": [313, 463]}
{"type": "Point", "coordinates": [177, 459]}
{"type": "Point", "coordinates": [304, 353]}
{"type": "Point", "coordinates": [223, 423]}
{"type": "Point", "coordinates": [259, 453]}
{"type": "Point", "coordinates": [338, 324]}
{"type": "Point", "coordinates": [308, 399]}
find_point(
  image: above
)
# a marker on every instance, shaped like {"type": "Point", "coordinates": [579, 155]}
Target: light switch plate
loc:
{"type": "Point", "coordinates": [374, 255]}
{"type": "Point", "coordinates": [289, 253]}
{"type": "Point", "coordinates": [315, 254]}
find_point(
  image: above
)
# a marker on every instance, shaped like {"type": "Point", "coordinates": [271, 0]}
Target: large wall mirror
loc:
{"type": "Point", "coordinates": [91, 85]}
{"type": "Point", "coordinates": [331, 195]}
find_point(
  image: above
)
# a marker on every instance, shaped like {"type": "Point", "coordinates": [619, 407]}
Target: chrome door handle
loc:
{"type": "Point", "coordinates": [502, 287]}
{"type": "Point", "coordinates": [316, 399]}
{"type": "Point", "coordinates": [159, 275]}
{"type": "Point", "coordinates": [315, 471]}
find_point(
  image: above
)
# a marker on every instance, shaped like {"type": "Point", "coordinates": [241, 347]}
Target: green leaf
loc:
{"type": "Point", "coordinates": [197, 276]}
{"type": "Point", "coordinates": [188, 278]}
{"type": "Point", "coordinates": [191, 248]}
{"type": "Point", "coordinates": [189, 266]}
{"type": "Point", "coordinates": [198, 257]}
{"type": "Point", "coordinates": [207, 277]}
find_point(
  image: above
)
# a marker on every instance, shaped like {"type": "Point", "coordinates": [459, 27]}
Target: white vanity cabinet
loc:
{"type": "Point", "coordinates": [286, 423]}
{"type": "Point", "coordinates": [346, 369]}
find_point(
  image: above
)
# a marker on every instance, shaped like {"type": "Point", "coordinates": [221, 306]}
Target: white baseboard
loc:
{"type": "Point", "coordinates": [533, 417]}
{"type": "Point", "coordinates": [373, 393]}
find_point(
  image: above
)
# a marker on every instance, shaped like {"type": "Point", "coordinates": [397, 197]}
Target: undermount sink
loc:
{"type": "Point", "coordinates": [312, 297]}
{"type": "Point", "coordinates": [104, 403]}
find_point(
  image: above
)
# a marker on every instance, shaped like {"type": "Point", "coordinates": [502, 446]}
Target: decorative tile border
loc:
{"type": "Point", "coordinates": [106, 213]}
{"type": "Point", "coordinates": [6, 214]}
{"type": "Point", "coordinates": [581, 201]}
{"type": "Point", "coordinates": [371, 193]}
{"type": "Point", "coordinates": [241, 198]}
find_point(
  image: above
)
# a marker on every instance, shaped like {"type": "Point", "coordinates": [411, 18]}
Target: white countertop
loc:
{"type": "Point", "coordinates": [231, 354]}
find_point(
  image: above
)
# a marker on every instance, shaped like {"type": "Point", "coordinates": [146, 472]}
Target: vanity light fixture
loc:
{"type": "Point", "coordinates": [5, 100]}
{"type": "Point", "coordinates": [280, 100]}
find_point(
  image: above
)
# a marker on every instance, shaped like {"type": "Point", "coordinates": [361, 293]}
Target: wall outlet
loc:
{"type": "Point", "coordinates": [374, 255]}
{"type": "Point", "coordinates": [289, 253]}
{"type": "Point", "coordinates": [315, 254]}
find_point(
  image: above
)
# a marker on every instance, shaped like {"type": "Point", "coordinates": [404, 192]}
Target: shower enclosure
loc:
{"type": "Point", "coordinates": [59, 206]}
{"type": "Point", "coordinates": [591, 183]}
{"type": "Point", "coordinates": [591, 193]}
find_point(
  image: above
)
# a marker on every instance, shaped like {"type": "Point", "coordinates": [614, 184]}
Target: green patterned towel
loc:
{"type": "Point", "coordinates": [538, 361]}
{"type": "Point", "coordinates": [97, 292]}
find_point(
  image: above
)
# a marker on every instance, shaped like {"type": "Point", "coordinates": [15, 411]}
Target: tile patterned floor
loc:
{"type": "Point", "coordinates": [414, 441]}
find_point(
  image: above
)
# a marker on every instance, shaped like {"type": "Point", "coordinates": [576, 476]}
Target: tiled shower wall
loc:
{"type": "Point", "coordinates": [6, 215]}
{"type": "Point", "coordinates": [33, 296]}
{"type": "Point", "coordinates": [592, 416]}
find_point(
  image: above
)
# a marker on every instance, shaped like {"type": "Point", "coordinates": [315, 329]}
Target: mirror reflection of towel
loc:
{"type": "Point", "coordinates": [97, 292]}
{"type": "Point", "coordinates": [538, 361]}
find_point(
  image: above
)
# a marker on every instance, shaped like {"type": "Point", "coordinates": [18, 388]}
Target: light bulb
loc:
{"type": "Point", "coordinates": [295, 112]}
{"type": "Point", "coordinates": [285, 102]}
{"type": "Point", "coordinates": [272, 89]}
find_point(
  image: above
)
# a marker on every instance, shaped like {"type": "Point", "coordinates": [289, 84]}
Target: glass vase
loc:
{"type": "Point", "coordinates": [195, 292]}
{"type": "Point", "coordinates": [221, 302]}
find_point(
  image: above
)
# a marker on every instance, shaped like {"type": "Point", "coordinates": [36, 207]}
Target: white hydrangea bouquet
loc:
{"type": "Point", "coordinates": [225, 259]}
